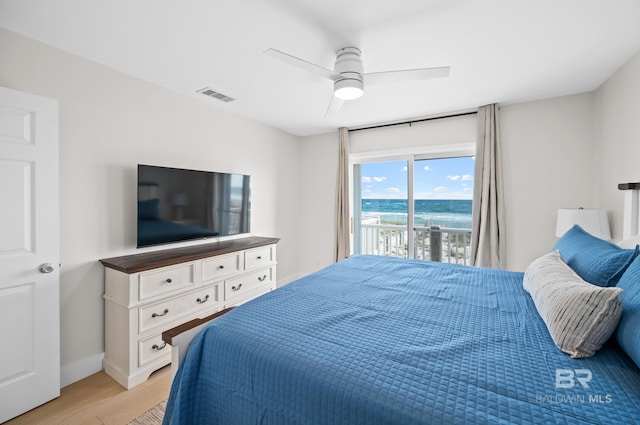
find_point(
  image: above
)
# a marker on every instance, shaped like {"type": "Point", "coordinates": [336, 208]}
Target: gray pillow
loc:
{"type": "Point", "coordinates": [580, 316]}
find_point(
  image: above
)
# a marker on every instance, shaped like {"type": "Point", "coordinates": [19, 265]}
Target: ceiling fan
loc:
{"type": "Point", "coordinates": [348, 74]}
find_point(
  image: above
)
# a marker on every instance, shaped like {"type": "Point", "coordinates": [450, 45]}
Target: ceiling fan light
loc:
{"type": "Point", "coordinates": [348, 89]}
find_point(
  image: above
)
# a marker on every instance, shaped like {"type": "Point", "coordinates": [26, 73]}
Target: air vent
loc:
{"type": "Point", "coordinates": [207, 91]}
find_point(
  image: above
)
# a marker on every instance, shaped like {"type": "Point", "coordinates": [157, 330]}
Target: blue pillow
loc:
{"type": "Point", "coordinates": [595, 260]}
{"type": "Point", "coordinates": [628, 332]}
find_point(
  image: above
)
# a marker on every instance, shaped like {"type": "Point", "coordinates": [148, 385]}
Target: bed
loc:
{"type": "Point", "coordinates": [379, 340]}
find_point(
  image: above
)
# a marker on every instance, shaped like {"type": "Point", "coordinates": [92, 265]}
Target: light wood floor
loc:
{"type": "Point", "coordinates": [99, 400]}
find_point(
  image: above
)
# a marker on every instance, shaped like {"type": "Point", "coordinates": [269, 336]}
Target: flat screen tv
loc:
{"type": "Point", "coordinates": [177, 205]}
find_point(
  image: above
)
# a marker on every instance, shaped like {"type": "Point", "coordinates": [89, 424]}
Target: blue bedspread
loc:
{"type": "Point", "coordinates": [377, 340]}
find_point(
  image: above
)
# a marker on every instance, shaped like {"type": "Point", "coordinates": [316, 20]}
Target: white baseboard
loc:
{"type": "Point", "coordinates": [80, 369]}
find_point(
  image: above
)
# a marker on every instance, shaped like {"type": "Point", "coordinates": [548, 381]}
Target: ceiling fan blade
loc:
{"type": "Point", "coordinates": [301, 63]}
{"type": "Point", "coordinates": [405, 75]}
{"type": "Point", "coordinates": [334, 106]}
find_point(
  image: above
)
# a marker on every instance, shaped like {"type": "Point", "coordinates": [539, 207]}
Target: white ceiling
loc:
{"type": "Point", "coordinates": [499, 50]}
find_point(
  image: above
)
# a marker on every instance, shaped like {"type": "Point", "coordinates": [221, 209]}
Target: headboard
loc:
{"type": "Point", "coordinates": [631, 221]}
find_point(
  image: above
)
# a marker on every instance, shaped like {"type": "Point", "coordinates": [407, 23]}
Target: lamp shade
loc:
{"type": "Point", "coordinates": [592, 220]}
{"type": "Point", "coordinates": [179, 199]}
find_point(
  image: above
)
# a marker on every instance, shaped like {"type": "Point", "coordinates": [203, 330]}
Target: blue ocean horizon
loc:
{"type": "Point", "coordinates": [452, 213]}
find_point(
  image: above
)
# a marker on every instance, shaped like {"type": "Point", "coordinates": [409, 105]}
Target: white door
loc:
{"type": "Point", "coordinates": [29, 253]}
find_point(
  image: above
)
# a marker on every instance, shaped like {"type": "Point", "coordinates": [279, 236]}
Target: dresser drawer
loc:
{"type": "Point", "coordinates": [165, 280]}
{"type": "Point", "coordinates": [151, 292]}
{"type": "Point", "coordinates": [258, 257]}
{"type": "Point", "coordinates": [241, 286]}
{"type": "Point", "coordinates": [152, 348]}
{"type": "Point", "coordinates": [161, 313]}
{"type": "Point", "coordinates": [219, 267]}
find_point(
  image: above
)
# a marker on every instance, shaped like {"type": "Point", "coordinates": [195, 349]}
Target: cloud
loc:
{"type": "Point", "coordinates": [441, 189]}
{"type": "Point", "coordinates": [427, 168]}
{"type": "Point", "coordinates": [464, 178]}
{"type": "Point", "coordinates": [367, 179]}
{"type": "Point", "coordinates": [392, 190]}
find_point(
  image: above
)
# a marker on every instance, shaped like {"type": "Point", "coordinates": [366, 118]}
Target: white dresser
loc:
{"type": "Point", "coordinates": [146, 294]}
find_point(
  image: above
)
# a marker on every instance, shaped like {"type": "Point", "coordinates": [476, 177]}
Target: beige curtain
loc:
{"type": "Point", "coordinates": [488, 247]}
{"type": "Point", "coordinates": [342, 197]}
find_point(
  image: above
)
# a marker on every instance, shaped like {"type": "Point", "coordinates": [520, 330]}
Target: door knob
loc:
{"type": "Point", "coordinates": [46, 268]}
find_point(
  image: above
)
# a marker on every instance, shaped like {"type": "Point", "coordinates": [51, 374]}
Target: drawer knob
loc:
{"type": "Point", "coordinates": [203, 300]}
{"type": "Point", "coordinates": [166, 310]}
{"type": "Point", "coordinates": [236, 288]}
{"type": "Point", "coordinates": [261, 279]}
{"type": "Point", "coordinates": [259, 257]}
{"type": "Point", "coordinates": [159, 347]}
{"type": "Point", "coordinates": [220, 267]}
{"type": "Point", "coordinates": [169, 280]}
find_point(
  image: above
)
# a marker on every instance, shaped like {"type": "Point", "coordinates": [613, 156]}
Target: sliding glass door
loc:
{"type": "Point", "coordinates": [381, 208]}
{"type": "Point", "coordinates": [414, 208]}
{"type": "Point", "coordinates": [442, 202]}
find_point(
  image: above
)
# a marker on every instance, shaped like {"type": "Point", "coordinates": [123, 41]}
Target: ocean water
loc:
{"type": "Point", "coordinates": [453, 213]}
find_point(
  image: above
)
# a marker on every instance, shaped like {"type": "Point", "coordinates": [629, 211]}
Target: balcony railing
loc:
{"type": "Point", "coordinates": [430, 243]}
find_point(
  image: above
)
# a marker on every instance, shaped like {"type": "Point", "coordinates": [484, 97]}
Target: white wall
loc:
{"type": "Point", "coordinates": [547, 150]}
{"type": "Point", "coordinates": [430, 134]}
{"type": "Point", "coordinates": [617, 139]}
{"type": "Point", "coordinates": [547, 157]}
{"type": "Point", "coordinates": [109, 122]}
{"type": "Point", "coordinates": [319, 167]}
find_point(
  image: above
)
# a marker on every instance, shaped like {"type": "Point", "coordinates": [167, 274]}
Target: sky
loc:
{"type": "Point", "coordinates": [445, 178]}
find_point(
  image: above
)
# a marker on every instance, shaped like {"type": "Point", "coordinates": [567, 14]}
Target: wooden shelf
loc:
{"type": "Point", "coordinates": [167, 336]}
{"type": "Point", "coordinates": [135, 263]}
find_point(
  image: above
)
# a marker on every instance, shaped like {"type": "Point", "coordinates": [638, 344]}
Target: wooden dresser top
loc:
{"type": "Point", "coordinates": [135, 263]}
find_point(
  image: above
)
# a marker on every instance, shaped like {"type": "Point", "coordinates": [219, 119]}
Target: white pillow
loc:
{"type": "Point", "coordinates": [580, 316]}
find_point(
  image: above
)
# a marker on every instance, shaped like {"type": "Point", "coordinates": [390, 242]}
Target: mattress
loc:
{"type": "Point", "coordinates": [379, 340]}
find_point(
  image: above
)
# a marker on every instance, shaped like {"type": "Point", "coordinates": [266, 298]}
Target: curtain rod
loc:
{"type": "Point", "coordinates": [414, 121]}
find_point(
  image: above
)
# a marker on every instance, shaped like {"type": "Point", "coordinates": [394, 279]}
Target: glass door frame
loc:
{"type": "Point", "coordinates": [408, 155]}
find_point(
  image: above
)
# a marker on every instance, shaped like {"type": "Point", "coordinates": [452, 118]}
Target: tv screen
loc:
{"type": "Point", "coordinates": [178, 205]}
